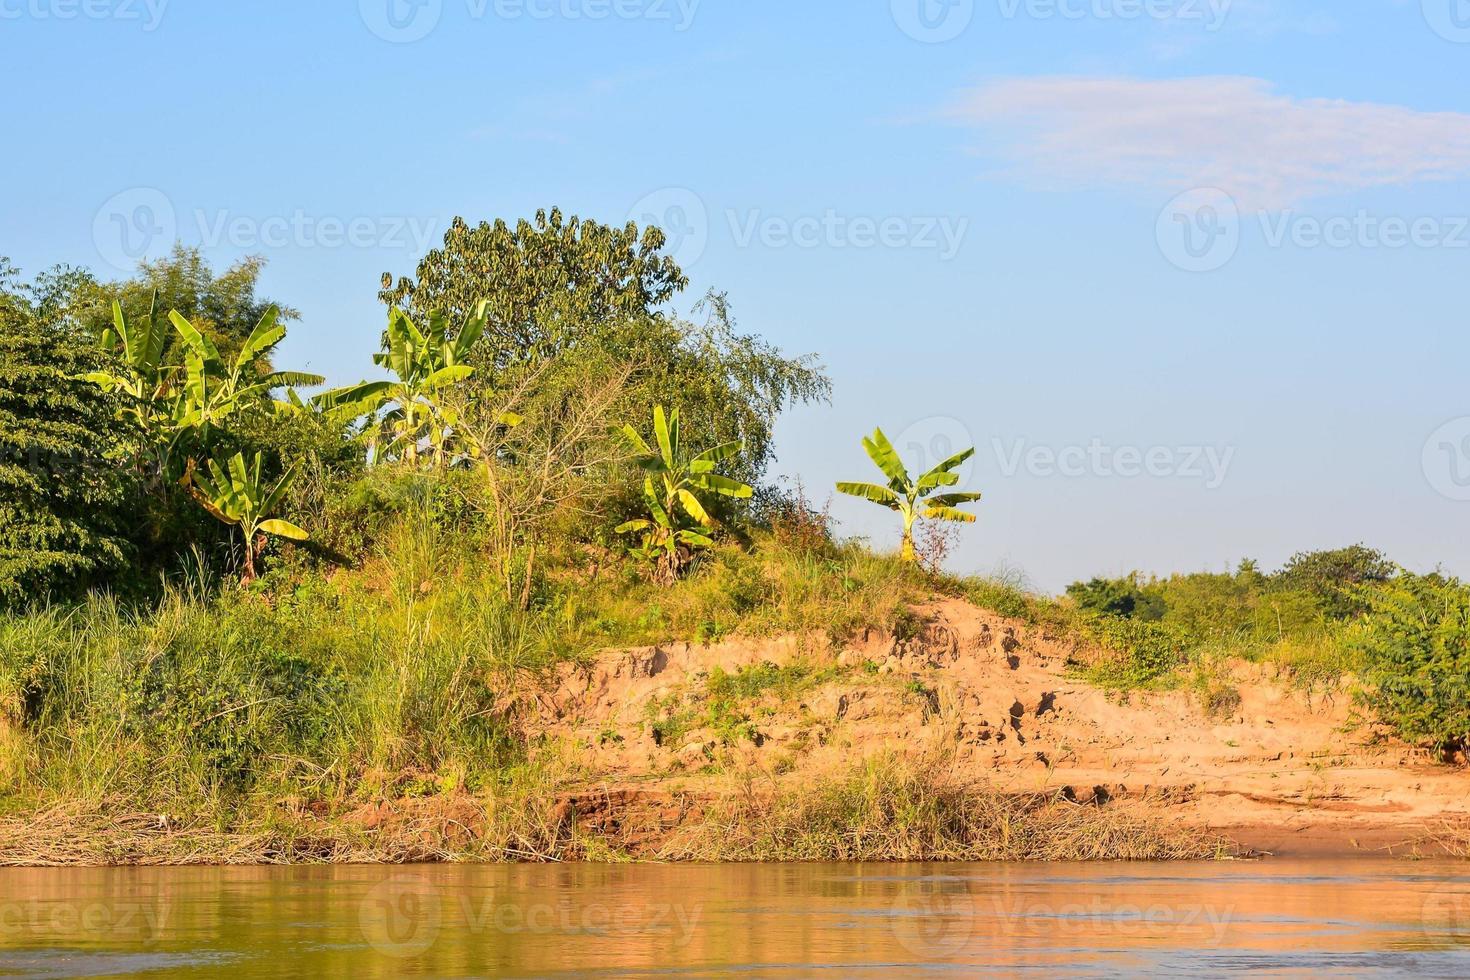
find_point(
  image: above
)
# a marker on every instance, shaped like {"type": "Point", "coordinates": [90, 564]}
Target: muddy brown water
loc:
{"type": "Point", "coordinates": [1316, 917]}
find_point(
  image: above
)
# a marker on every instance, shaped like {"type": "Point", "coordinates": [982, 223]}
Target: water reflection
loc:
{"type": "Point", "coordinates": [771, 920]}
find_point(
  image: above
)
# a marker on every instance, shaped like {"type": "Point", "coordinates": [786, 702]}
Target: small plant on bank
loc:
{"type": "Point", "coordinates": [910, 498]}
{"type": "Point", "coordinates": [678, 522]}
{"type": "Point", "coordinates": [236, 496]}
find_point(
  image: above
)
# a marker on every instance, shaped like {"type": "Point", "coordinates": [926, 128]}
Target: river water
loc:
{"type": "Point", "coordinates": [1282, 918]}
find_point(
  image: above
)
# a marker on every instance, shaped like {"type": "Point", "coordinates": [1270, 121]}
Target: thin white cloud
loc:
{"type": "Point", "coordinates": [1267, 149]}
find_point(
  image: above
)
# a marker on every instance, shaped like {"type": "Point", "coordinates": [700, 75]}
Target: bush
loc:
{"type": "Point", "coordinates": [1415, 641]}
{"type": "Point", "coordinates": [1147, 652]}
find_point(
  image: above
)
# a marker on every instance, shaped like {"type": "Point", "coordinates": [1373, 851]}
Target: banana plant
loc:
{"type": "Point", "coordinates": [912, 499]}
{"type": "Point", "coordinates": [215, 390]}
{"type": "Point", "coordinates": [234, 494]}
{"type": "Point", "coordinates": [679, 523]}
{"type": "Point", "coordinates": [179, 405]}
{"type": "Point", "coordinates": [425, 363]}
{"type": "Point", "coordinates": [153, 398]}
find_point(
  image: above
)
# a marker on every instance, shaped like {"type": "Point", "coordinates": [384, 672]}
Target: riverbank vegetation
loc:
{"type": "Point", "coordinates": [248, 607]}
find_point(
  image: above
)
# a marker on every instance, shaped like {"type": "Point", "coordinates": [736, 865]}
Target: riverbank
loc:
{"type": "Point", "coordinates": [961, 735]}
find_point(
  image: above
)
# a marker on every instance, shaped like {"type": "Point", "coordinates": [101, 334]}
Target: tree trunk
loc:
{"type": "Point", "coordinates": [252, 547]}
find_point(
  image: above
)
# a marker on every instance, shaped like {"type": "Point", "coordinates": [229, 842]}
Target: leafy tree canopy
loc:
{"type": "Point", "coordinates": [576, 299]}
{"type": "Point", "coordinates": [61, 483]}
{"type": "Point", "coordinates": [537, 272]}
{"type": "Point", "coordinates": [224, 306]}
{"type": "Point", "coordinates": [1332, 575]}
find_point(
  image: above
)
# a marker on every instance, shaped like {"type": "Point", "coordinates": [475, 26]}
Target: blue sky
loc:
{"type": "Point", "coordinates": [1188, 273]}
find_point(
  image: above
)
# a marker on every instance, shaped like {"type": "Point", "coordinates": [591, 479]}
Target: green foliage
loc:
{"type": "Point", "coordinates": [1118, 597]}
{"type": "Point", "coordinates": [535, 275]}
{"type": "Point", "coordinates": [678, 522]}
{"type": "Point", "coordinates": [181, 405]}
{"type": "Point", "coordinates": [63, 487]}
{"type": "Point", "coordinates": [1332, 577]}
{"type": "Point", "coordinates": [236, 495]}
{"type": "Point", "coordinates": [1416, 644]}
{"type": "Point", "coordinates": [224, 307]}
{"type": "Point", "coordinates": [425, 362]}
{"type": "Point", "coordinates": [913, 498]}
{"type": "Point", "coordinates": [569, 304]}
{"type": "Point", "coordinates": [1146, 653]}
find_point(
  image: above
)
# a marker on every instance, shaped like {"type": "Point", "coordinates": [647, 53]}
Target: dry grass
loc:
{"type": "Point", "coordinates": [887, 809]}
{"type": "Point", "coordinates": [893, 809]}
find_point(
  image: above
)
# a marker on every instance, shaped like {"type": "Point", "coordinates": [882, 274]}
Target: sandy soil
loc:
{"type": "Point", "coordinates": [1285, 771]}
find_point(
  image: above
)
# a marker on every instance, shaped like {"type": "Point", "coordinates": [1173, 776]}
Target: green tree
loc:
{"type": "Point", "coordinates": [537, 272]}
{"type": "Point", "coordinates": [1118, 597]}
{"type": "Point", "coordinates": [1416, 643]}
{"type": "Point", "coordinates": [913, 498]}
{"type": "Point", "coordinates": [180, 403]}
{"type": "Point", "coordinates": [62, 488]}
{"type": "Point", "coordinates": [1333, 577]}
{"type": "Point", "coordinates": [224, 306]}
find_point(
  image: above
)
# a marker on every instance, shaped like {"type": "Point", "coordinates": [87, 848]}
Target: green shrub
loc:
{"type": "Point", "coordinates": [1416, 644]}
{"type": "Point", "coordinates": [1146, 653]}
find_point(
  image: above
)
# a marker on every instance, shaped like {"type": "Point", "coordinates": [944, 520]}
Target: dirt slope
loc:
{"type": "Point", "coordinates": [1282, 771]}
